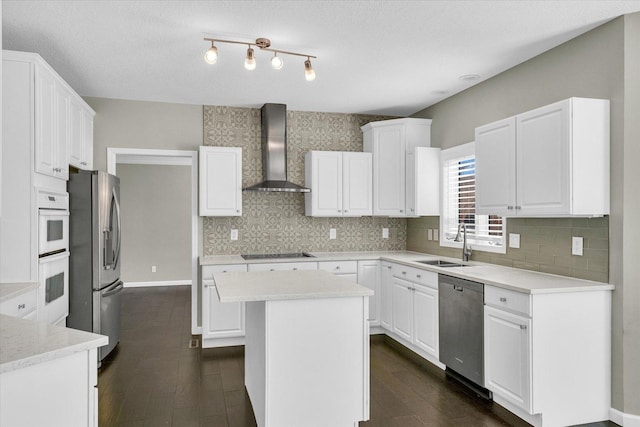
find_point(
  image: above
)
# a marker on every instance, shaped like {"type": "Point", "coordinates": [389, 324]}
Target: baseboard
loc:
{"type": "Point", "coordinates": [625, 420]}
{"type": "Point", "coordinates": [158, 283]}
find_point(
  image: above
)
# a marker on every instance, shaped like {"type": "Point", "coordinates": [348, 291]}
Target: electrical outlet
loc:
{"type": "Point", "coordinates": [514, 240]}
{"type": "Point", "coordinates": [234, 234]}
{"type": "Point", "coordinates": [385, 233]}
{"type": "Point", "coordinates": [577, 245]}
{"type": "Point", "coordinates": [332, 233]}
{"type": "Point", "coordinates": [429, 234]}
{"type": "Point", "coordinates": [153, 268]}
{"type": "Point", "coordinates": [436, 235]}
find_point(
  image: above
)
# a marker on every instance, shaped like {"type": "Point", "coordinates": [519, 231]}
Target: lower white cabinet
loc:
{"type": "Point", "coordinates": [368, 275]}
{"type": "Point", "coordinates": [346, 269]}
{"type": "Point", "coordinates": [283, 266]}
{"type": "Point", "coordinates": [415, 314]}
{"type": "Point", "coordinates": [507, 341]}
{"type": "Point", "coordinates": [222, 323]}
{"type": "Point", "coordinates": [547, 357]}
{"type": "Point", "coordinates": [386, 296]}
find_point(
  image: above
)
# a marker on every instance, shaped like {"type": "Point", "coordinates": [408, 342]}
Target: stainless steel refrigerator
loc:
{"type": "Point", "coordinates": [94, 264]}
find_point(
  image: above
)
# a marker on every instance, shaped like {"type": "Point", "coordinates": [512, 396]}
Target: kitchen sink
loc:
{"type": "Point", "coordinates": [442, 263]}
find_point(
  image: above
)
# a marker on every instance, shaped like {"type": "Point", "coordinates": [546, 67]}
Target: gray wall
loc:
{"type": "Point", "coordinates": [598, 64]}
{"type": "Point", "coordinates": [140, 124]}
{"type": "Point", "coordinates": [156, 222]}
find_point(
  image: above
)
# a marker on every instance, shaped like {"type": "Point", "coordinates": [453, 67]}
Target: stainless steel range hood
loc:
{"type": "Point", "coordinates": [274, 152]}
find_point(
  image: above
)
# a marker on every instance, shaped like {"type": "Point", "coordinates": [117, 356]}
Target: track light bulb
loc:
{"type": "Point", "coordinates": [309, 74]}
{"type": "Point", "coordinates": [211, 55]}
{"type": "Point", "coordinates": [250, 60]}
{"type": "Point", "coordinates": [276, 62]}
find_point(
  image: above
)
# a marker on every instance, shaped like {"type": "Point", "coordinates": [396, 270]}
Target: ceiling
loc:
{"type": "Point", "coordinates": [379, 57]}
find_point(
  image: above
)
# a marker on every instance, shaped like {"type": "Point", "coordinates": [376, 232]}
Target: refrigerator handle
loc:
{"type": "Point", "coordinates": [116, 258]}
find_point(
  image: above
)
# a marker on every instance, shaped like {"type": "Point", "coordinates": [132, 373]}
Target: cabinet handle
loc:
{"type": "Point", "coordinates": [503, 299]}
{"type": "Point", "coordinates": [21, 306]}
{"type": "Point", "coordinates": [509, 208]}
{"type": "Point", "coordinates": [401, 211]}
{"type": "Point", "coordinates": [523, 327]}
{"type": "Point", "coordinates": [224, 271]}
{"type": "Point", "coordinates": [345, 211]}
{"type": "Point", "coordinates": [237, 210]}
{"type": "Point", "coordinates": [418, 275]}
{"type": "Point", "coordinates": [295, 268]}
{"type": "Point", "coordinates": [388, 266]}
{"type": "Point", "coordinates": [338, 267]}
{"type": "Point", "coordinates": [412, 210]}
{"type": "Point", "coordinates": [518, 207]}
{"type": "Point", "coordinates": [404, 272]}
{"type": "Point", "coordinates": [271, 269]}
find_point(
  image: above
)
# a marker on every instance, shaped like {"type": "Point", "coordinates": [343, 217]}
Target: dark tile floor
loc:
{"type": "Point", "coordinates": [155, 379]}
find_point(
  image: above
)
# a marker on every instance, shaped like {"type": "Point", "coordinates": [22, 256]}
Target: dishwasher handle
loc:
{"type": "Point", "coordinates": [458, 288]}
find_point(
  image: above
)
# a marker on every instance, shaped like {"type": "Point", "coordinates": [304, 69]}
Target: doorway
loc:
{"type": "Point", "coordinates": [136, 156]}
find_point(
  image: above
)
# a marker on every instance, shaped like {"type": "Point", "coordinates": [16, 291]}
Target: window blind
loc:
{"type": "Point", "coordinates": [459, 203]}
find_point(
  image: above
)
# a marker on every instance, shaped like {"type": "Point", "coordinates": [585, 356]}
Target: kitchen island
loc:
{"type": "Point", "coordinates": [307, 346]}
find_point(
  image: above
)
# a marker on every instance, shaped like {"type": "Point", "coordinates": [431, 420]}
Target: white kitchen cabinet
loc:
{"type": "Point", "coordinates": [545, 363]}
{"type": "Point", "coordinates": [507, 340]}
{"type": "Point", "coordinates": [23, 305]}
{"type": "Point", "coordinates": [340, 183]}
{"type": "Point", "coordinates": [220, 188]}
{"type": "Point", "coordinates": [426, 322]}
{"type": "Point", "coordinates": [386, 284]}
{"type": "Point", "coordinates": [405, 182]}
{"type": "Point", "coordinates": [345, 269]}
{"type": "Point", "coordinates": [403, 308]}
{"type": "Point", "coordinates": [222, 323]}
{"type": "Point", "coordinates": [549, 162]}
{"type": "Point", "coordinates": [81, 141]}
{"type": "Point", "coordinates": [368, 275]}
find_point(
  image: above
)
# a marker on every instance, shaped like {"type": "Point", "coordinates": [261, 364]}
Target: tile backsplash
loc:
{"type": "Point", "coordinates": [545, 245]}
{"type": "Point", "coordinates": [275, 222]}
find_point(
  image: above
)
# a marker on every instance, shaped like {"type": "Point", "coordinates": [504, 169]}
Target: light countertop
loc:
{"type": "Point", "coordinates": [26, 342]}
{"type": "Point", "coordinates": [284, 285]}
{"type": "Point", "coordinates": [525, 281]}
{"type": "Point", "coordinates": [11, 290]}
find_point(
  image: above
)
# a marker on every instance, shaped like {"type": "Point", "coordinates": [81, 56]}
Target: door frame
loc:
{"type": "Point", "coordinates": [143, 156]}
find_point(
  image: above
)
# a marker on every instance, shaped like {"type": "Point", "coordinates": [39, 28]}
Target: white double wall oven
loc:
{"type": "Point", "coordinates": [53, 256]}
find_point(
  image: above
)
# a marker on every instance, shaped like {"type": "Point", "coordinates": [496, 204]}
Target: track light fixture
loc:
{"type": "Point", "coordinates": [211, 55]}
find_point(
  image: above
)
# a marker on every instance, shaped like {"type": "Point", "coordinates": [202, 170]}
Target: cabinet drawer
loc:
{"type": "Point", "coordinates": [208, 270]}
{"type": "Point", "coordinates": [21, 305]}
{"type": "Point", "coordinates": [516, 302]}
{"type": "Point", "coordinates": [339, 267]}
{"type": "Point", "coordinates": [416, 275]}
{"type": "Point", "coordinates": [280, 266]}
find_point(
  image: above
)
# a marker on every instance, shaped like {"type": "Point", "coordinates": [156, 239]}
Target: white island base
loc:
{"type": "Point", "coordinates": [307, 347]}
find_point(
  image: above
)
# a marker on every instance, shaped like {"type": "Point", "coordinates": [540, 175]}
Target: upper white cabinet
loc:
{"type": "Point", "coordinates": [549, 162]}
{"type": "Point", "coordinates": [340, 183]}
{"type": "Point", "coordinates": [81, 140]}
{"type": "Point", "coordinates": [405, 182]}
{"type": "Point", "coordinates": [220, 181]}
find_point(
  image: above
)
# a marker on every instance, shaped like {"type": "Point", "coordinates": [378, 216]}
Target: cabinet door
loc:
{"type": "Point", "coordinates": [386, 283]}
{"type": "Point", "coordinates": [388, 171]}
{"type": "Point", "coordinates": [76, 143]}
{"type": "Point", "coordinates": [542, 166]}
{"type": "Point", "coordinates": [323, 170]}
{"type": "Point", "coordinates": [63, 130]}
{"type": "Point", "coordinates": [87, 140]}
{"type": "Point", "coordinates": [220, 181]}
{"type": "Point", "coordinates": [283, 266]}
{"type": "Point", "coordinates": [357, 184]}
{"type": "Point", "coordinates": [425, 306]}
{"type": "Point", "coordinates": [507, 356]}
{"type": "Point", "coordinates": [45, 121]}
{"type": "Point", "coordinates": [220, 320]}
{"type": "Point", "coordinates": [368, 276]}
{"type": "Point", "coordinates": [402, 308]}
{"type": "Point", "coordinates": [495, 168]}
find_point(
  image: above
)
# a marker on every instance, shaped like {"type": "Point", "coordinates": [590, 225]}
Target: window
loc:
{"type": "Point", "coordinates": [484, 232]}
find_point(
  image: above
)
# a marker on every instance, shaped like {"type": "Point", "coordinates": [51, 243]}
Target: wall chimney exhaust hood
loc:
{"type": "Point", "coordinates": [274, 152]}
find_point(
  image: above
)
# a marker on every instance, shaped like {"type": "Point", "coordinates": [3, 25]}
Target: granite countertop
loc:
{"type": "Point", "coordinates": [285, 285]}
{"type": "Point", "coordinates": [11, 290]}
{"type": "Point", "coordinates": [525, 281]}
{"type": "Point", "coordinates": [26, 342]}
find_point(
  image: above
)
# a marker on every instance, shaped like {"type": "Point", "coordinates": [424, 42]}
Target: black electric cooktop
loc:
{"type": "Point", "coordinates": [278, 256]}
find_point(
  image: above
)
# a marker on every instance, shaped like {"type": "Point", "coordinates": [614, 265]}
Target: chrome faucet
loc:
{"type": "Point", "coordinates": [466, 249]}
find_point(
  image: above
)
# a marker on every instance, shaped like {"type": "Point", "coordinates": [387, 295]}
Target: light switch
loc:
{"type": "Point", "coordinates": [430, 234]}
{"type": "Point", "coordinates": [332, 233]}
{"type": "Point", "coordinates": [234, 234]}
{"type": "Point", "coordinates": [385, 233]}
{"type": "Point", "coordinates": [514, 240]}
{"type": "Point", "coordinates": [577, 245]}
{"type": "Point", "coordinates": [436, 235]}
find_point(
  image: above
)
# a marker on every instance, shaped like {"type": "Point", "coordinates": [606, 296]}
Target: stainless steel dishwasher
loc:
{"type": "Point", "coordinates": [462, 331]}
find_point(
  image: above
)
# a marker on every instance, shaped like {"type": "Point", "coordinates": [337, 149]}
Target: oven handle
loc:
{"type": "Point", "coordinates": [118, 288]}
